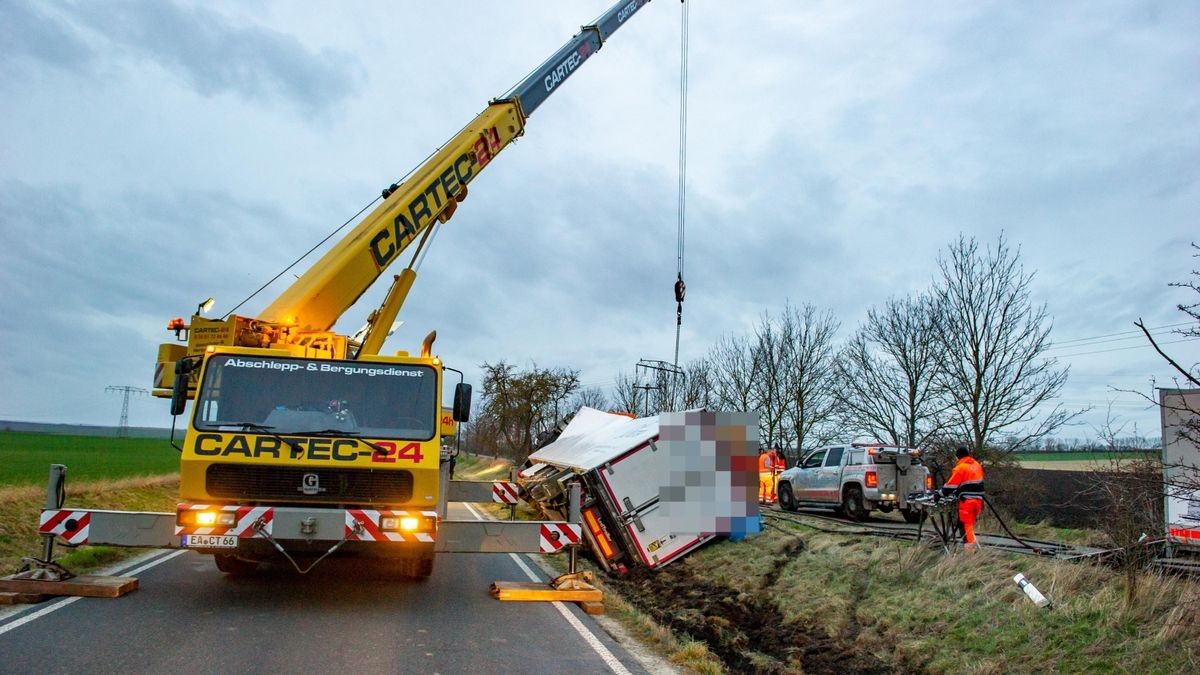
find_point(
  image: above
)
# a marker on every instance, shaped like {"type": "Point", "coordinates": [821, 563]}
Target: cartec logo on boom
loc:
{"type": "Point", "coordinates": [626, 11]}
{"type": "Point", "coordinates": [421, 209]}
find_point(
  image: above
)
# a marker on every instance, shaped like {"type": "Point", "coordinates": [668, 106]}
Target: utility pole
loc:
{"type": "Point", "coordinates": [123, 430]}
{"type": "Point", "coordinates": [660, 371]}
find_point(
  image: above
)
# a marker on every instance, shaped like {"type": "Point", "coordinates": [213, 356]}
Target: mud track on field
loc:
{"type": "Point", "coordinates": [744, 629]}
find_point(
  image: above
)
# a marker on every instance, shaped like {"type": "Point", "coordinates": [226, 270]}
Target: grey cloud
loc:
{"type": "Point", "coordinates": [200, 46]}
{"type": "Point", "coordinates": [27, 31]}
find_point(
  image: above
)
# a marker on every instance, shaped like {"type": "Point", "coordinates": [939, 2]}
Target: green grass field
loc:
{"type": "Point", "coordinates": [25, 458]}
{"type": "Point", "coordinates": [1077, 456]}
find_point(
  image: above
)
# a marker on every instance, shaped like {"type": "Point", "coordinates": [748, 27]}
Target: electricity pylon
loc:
{"type": "Point", "coordinates": [123, 430]}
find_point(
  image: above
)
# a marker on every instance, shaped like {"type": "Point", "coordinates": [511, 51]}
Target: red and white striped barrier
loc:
{"type": "Point", "coordinates": [504, 492]}
{"type": "Point", "coordinates": [369, 521]}
{"type": "Point", "coordinates": [72, 526]}
{"type": "Point", "coordinates": [557, 535]}
{"type": "Point", "coordinates": [243, 526]}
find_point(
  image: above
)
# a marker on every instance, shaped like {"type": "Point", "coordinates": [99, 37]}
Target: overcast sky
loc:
{"type": "Point", "coordinates": [154, 153]}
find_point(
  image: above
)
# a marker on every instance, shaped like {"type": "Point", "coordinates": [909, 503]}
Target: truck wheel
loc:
{"type": "Point", "coordinates": [912, 515]}
{"type": "Point", "coordinates": [416, 568]}
{"type": "Point", "coordinates": [233, 565]}
{"type": "Point", "coordinates": [852, 503]}
{"type": "Point", "coordinates": [787, 501]}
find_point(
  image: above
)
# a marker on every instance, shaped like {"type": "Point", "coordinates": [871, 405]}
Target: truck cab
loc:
{"type": "Point", "coordinates": [311, 438]}
{"type": "Point", "coordinates": [855, 479]}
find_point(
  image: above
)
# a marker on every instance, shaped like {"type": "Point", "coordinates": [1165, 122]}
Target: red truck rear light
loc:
{"type": "Point", "coordinates": [928, 481]}
{"type": "Point", "coordinates": [872, 479]}
{"type": "Point", "coordinates": [606, 549]}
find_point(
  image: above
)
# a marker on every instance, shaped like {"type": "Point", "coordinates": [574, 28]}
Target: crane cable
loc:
{"type": "Point", "coordinates": [680, 287]}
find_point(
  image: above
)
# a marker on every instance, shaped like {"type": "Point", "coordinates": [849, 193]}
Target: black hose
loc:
{"type": "Point", "coordinates": [1039, 551]}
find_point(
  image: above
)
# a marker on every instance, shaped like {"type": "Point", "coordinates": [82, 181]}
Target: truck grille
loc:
{"type": "Point", "coordinates": [248, 482]}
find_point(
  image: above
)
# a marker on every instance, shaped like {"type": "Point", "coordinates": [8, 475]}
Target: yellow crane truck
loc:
{"type": "Point", "coordinates": [302, 442]}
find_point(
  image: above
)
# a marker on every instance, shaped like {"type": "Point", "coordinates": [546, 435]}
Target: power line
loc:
{"type": "Point", "coordinates": [1120, 349]}
{"type": "Point", "coordinates": [1131, 333]}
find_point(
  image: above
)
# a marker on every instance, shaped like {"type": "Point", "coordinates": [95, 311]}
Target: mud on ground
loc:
{"type": "Point", "coordinates": [745, 629]}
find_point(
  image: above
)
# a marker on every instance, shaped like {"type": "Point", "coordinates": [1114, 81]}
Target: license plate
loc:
{"type": "Point", "coordinates": [209, 541]}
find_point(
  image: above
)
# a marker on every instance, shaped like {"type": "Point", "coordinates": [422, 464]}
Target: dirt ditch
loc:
{"type": "Point", "coordinates": [745, 630]}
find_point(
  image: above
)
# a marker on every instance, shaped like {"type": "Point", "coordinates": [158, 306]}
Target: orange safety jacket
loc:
{"type": "Point", "coordinates": [766, 463]}
{"type": "Point", "coordinates": [966, 480]}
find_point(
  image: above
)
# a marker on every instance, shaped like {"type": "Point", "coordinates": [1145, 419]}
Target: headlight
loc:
{"type": "Point", "coordinates": [406, 523]}
{"type": "Point", "coordinates": [207, 518]}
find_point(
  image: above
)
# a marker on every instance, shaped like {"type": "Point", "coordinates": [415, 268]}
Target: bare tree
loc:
{"type": "Point", "coordinates": [1129, 497]}
{"type": "Point", "coordinates": [770, 356]}
{"type": "Point", "coordinates": [809, 380]}
{"type": "Point", "coordinates": [732, 376]}
{"type": "Point", "coordinates": [993, 366]}
{"type": "Point", "coordinates": [626, 395]}
{"type": "Point", "coordinates": [591, 397]}
{"type": "Point", "coordinates": [1190, 374]}
{"type": "Point", "coordinates": [697, 389]}
{"type": "Point", "coordinates": [522, 406]}
{"type": "Point", "coordinates": [888, 374]}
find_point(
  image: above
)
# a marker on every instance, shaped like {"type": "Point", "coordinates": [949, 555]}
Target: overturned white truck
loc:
{"type": "Point", "coordinates": [653, 489]}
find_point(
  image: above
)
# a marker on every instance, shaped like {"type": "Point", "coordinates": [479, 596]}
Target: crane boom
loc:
{"type": "Point", "coordinates": [300, 320]}
{"type": "Point", "coordinates": [316, 300]}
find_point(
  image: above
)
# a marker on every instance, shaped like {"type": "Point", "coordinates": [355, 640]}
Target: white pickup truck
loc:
{"type": "Point", "coordinates": [855, 479]}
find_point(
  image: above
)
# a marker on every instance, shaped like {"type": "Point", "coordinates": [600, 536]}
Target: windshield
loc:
{"type": "Point", "coordinates": [298, 396]}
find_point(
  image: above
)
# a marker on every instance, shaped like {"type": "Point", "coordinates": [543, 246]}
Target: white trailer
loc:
{"type": "Point", "coordinates": [631, 502]}
{"type": "Point", "coordinates": [1180, 410]}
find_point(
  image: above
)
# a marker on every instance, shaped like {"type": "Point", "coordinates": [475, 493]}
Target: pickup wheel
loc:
{"type": "Point", "coordinates": [787, 501]}
{"type": "Point", "coordinates": [852, 503]}
{"type": "Point", "coordinates": [912, 515]}
{"type": "Point", "coordinates": [233, 565]}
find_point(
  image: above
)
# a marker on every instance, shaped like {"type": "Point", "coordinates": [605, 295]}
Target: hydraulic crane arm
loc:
{"type": "Point", "coordinates": [430, 194]}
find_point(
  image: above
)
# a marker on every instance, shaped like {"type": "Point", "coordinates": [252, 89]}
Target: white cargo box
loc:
{"type": "Point", "coordinates": [1181, 465]}
{"type": "Point", "coordinates": [619, 460]}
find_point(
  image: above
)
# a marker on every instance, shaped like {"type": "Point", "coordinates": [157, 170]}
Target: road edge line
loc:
{"type": "Point", "coordinates": [588, 636]}
{"type": "Point", "coordinates": [21, 621]}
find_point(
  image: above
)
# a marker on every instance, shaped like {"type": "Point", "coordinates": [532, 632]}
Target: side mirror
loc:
{"type": "Point", "coordinates": [179, 388]}
{"type": "Point", "coordinates": [462, 402]}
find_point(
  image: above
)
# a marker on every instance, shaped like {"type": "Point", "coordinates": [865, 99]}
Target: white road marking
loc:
{"type": "Point", "coordinates": [55, 607]}
{"type": "Point", "coordinates": [588, 636]}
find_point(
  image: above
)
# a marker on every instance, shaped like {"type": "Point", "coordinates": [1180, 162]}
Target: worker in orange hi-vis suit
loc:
{"type": "Point", "coordinates": [966, 481]}
{"type": "Point", "coordinates": [766, 476]}
{"type": "Point", "coordinates": [780, 465]}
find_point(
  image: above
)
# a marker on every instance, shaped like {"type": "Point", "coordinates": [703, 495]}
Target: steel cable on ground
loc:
{"type": "Point", "coordinates": [879, 532]}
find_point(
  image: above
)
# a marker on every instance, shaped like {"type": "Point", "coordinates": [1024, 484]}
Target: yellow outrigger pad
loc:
{"type": "Point", "coordinates": [566, 588]}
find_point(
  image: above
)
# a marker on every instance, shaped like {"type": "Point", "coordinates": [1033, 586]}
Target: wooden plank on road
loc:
{"type": "Point", "coordinates": [83, 586]}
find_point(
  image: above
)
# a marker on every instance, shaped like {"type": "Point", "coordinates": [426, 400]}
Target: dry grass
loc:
{"type": "Point", "coordinates": [20, 506]}
{"type": "Point", "coordinates": [963, 613]}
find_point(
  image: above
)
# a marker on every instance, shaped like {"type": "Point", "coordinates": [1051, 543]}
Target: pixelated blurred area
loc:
{"type": "Point", "coordinates": [711, 484]}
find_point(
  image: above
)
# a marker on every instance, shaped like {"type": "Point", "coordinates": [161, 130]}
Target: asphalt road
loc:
{"type": "Point", "coordinates": [187, 617]}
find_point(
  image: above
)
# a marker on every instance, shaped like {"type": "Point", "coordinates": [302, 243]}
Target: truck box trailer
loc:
{"type": "Point", "coordinates": [634, 509]}
{"type": "Point", "coordinates": [1180, 409]}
